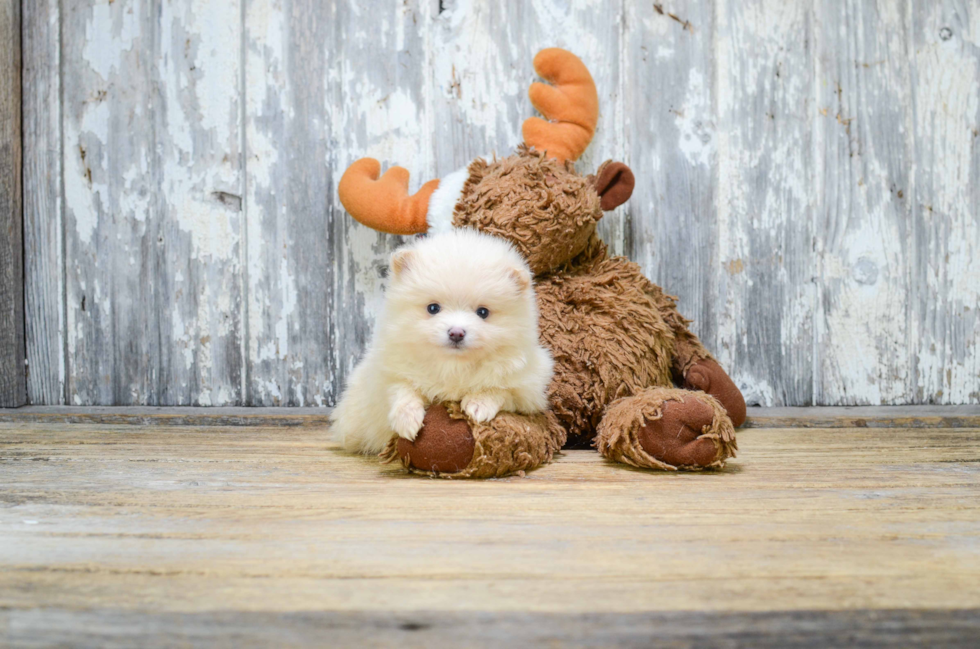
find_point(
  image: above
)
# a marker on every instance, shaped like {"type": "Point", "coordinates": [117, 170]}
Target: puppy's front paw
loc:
{"type": "Point", "coordinates": [406, 419]}
{"type": "Point", "coordinates": [481, 408]}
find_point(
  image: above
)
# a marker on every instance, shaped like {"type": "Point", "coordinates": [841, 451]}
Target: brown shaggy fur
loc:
{"type": "Point", "coordinates": [621, 346]}
{"type": "Point", "coordinates": [508, 444]}
{"type": "Point", "coordinates": [529, 199]}
{"type": "Point", "coordinates": [617, 436]}
{"type": "Point", "coordinates": [627, 342]}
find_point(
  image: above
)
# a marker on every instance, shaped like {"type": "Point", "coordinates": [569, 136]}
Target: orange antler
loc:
{"type": "Point", "coordinates": [384, 204]}
{"type": "Point", "coordinates": [571, 105]}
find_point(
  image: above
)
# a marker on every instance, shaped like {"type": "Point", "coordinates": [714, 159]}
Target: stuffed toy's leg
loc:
{"type": "Point", "coordinates": [667, 428]}
{"type": "Point", "coordinates": [450, 445]}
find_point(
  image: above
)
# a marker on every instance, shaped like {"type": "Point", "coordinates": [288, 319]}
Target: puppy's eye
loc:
{"type": "Point", "coordinates": [433, 308]}
{"type": "Point", "coordinates": [483, 312]}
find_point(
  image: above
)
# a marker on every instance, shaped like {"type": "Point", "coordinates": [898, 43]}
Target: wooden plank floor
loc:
{"type": "Point", "coordinates": [160, 535]}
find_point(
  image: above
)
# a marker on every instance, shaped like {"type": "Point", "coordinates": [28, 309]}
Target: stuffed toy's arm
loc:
{"type": "Point", "coordinates": [693, 366]}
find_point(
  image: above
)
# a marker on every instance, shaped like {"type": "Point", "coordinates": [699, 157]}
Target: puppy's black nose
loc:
{"type": "Point", "coordinates": [456, 334]}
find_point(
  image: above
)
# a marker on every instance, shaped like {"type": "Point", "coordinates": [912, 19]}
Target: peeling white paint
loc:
{"type": "Point", "coordinates": [947, 119]}
{"type": "Point", "coordinates": [695, 122]}
{"type": "Point", "coordinates": [767, 199]}
{"type": "Point", "coordinates": [287, 309]}
{"type": "Point", "coordinates": [756, 391]}
{"type": "Point", "coordinates": [105, 57]}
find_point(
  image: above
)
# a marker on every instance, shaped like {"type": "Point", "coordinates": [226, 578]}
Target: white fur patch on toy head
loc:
{"type": "Point", "coordinates": [443, 201]}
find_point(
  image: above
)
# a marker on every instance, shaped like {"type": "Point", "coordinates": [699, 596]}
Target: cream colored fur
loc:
{"type": "Point", "coordinates": [412, 363]}
{"type": "Point", "coordinates": [443, 201]}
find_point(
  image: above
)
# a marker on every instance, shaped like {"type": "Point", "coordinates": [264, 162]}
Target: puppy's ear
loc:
{"type": "Point", "coordinates": [401, 261]}
{"type": "Point", "coordinates": [521, 277]}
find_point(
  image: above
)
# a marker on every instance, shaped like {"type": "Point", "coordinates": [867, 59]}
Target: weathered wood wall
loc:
{"type": "Point", "coordinates": [809, 182]}
{"type": "Point", "coordinates": [13, 385]}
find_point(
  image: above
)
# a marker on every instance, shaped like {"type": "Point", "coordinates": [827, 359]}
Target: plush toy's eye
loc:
{"type": "Point", "coordinates": [433, 308]}
{"type": "Point", "coordinates": [483, 312]}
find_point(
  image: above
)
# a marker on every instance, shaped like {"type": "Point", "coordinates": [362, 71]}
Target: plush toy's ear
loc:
{"type": "Point", "coordinates": [614, 183]}
{"type": "Point", "coordinates": [521, 277]}
{"type": "Point", "coordinates": [401, 261]}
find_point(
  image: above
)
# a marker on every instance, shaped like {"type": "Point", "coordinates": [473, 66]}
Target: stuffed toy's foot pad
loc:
{"type": "Point", "coordinates": [444, 445]}
{"type": "Point", "coordinates": [673, 438]}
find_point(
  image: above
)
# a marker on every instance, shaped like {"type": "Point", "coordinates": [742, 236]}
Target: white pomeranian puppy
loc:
{"type": "Point", "coordinates": [460, 323]}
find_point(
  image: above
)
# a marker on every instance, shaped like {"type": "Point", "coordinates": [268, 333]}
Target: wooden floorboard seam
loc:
{"type": "Point", "coordinates": [964, 416]}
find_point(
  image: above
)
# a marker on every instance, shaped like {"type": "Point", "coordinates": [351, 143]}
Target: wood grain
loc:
{"type": "Point", "coordinates": [944, 280]}
{"type": "Point", "coordinates": [671, 130]}
{"type": "Point", "coordinates": [115, 523]}
{"type": "Point", "coordinates": [763, 293]}
{"type": "Point", "coordinates": [152, 177]}
{"type": "Point", "coordinates": [380, 86]}
{"type": "Point", "coordinates": [13, 389]}
{"type": "Point", "coordinates": [867, 629]}
{"type": "Point", "coordinates": [807, 183]}
{"type": "Point", "coordinates": [863, 203]}
{"type": "Point", "coordinates": [778, 417]}
{"type": "Point", "coordinates": [334, 83]}
{"type": "Point", "coordinates": [44, 269]}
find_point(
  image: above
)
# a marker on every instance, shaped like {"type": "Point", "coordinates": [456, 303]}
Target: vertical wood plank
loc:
{"type": "Point", "coordinates": [481, 60]}
{"type": "Point", "coordinates": [380, 63]}
{"type": "Point", "coordinates": [864, 196]}
{"type": "Point", "coordinates": [153, 202]}
{"type": "Point", "coordinates": [325, 85]}
{"type": "Point", "coordinates": [44, 287]}
{"type": "Point", "coordinates": [945, 268]}
{"type": "Point", "coordinates": [287, 115]}
{"type": "Point", "coordinates": [672, 133]}
{"type": "Point", "coordinates": [765, 293]}
{"type": "Point", "coordinates": [13, 388]}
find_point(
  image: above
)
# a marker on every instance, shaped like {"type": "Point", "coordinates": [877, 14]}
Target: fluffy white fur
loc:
{"type": "Point", "coordinates": [412, 362]}
{"type": "Point", "coordinates": [443, 201]}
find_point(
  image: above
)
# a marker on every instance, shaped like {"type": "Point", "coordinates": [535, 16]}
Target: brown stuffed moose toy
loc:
{"type": "Point", "coordinates": [630, 377]}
